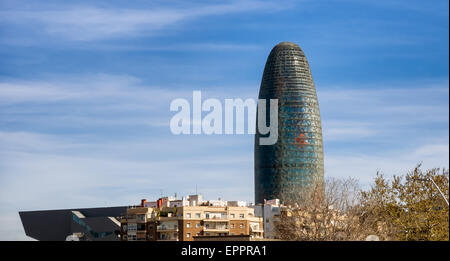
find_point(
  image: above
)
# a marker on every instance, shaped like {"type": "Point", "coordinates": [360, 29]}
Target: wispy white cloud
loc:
{"type": "Point", "coordinates": [87, 88]}
{"type": "Point", "coordinates": [346, 130]}
{"type": "Point", "coordinates": [86, 23]}
{"type": "Point", "coordinates": [186, 46]}
{"type": "Point", "coordinates": [438, 8]}
{"type": "Point", "coordinates": [350, 113]}
{"type": "Point", "coordinates": [397, 161]}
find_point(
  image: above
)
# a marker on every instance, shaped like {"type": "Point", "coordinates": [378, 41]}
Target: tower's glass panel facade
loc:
{"type": "Point", "coordinates": [296, 160]}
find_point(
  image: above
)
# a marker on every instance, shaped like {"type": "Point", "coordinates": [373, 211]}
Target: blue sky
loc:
{"type": "Point", "coordinates": [85, 89]}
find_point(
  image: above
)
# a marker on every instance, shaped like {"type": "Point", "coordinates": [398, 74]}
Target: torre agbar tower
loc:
{"type": "Point", "coordinates": [295, 161]}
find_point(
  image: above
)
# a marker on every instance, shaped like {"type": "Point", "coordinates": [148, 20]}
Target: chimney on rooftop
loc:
{"type": "Point", "coordinates": [143, 202]}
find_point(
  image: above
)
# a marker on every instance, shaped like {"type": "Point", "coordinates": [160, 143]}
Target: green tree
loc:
{"type": "Point", "coordinates": [407, 207]}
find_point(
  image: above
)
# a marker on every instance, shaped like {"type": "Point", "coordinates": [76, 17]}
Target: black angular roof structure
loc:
{"type": "Point", "coordinates": [96, 224]}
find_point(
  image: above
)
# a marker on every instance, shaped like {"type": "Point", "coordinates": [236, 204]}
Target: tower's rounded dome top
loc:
{"type": "Point", "coordinates": [287, 44]}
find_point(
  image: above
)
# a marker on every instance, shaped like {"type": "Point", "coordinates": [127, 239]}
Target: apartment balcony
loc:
{"type": "Point", "coordinates": [216, 229]}
{"type": "Point", "coordinates": [256, 230]}
{"type": "Point", "coordinates": [173, 218]}
{"type": "Point", "coordinates": [166, 229]}
{"type": "Point", "coordinates": [216, 219]}
{"type": "Point", "coordinates": [168, 239]}
{"type": "Point", "coordinates": [136, 220]}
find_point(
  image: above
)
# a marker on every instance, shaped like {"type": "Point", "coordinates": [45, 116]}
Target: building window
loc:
{"type": "Point", "coordinates": [241, 225]}
{"type": "Point", "coordinates": [132, 227]}
{"type": "Point", "coordinates": [188, 225]}
{"type": "Point", "coordinates": [241, 215]}
{"type": "Point", "coordinates": [188, 235]}
{"type": "Point", "coordinates": [197, 215]}
{"type": "Point", "coordinates": [197, 225]}
{"type": "Point", "coordinates": [232, 225]}
{"type": "Point", "coordinates": [188, 215]}
{"type": "Point", "coordinates": [141, 227]}
{"type": "Point", "coordinates": [231, 215]}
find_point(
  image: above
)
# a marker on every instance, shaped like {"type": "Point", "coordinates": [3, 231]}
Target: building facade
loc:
{"type": "Point", "coordinates": [184, 222]}
{"type": "Point", "coordinates": [296, 159]}
{"type": "Point", "coordinates": [269, 211]}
